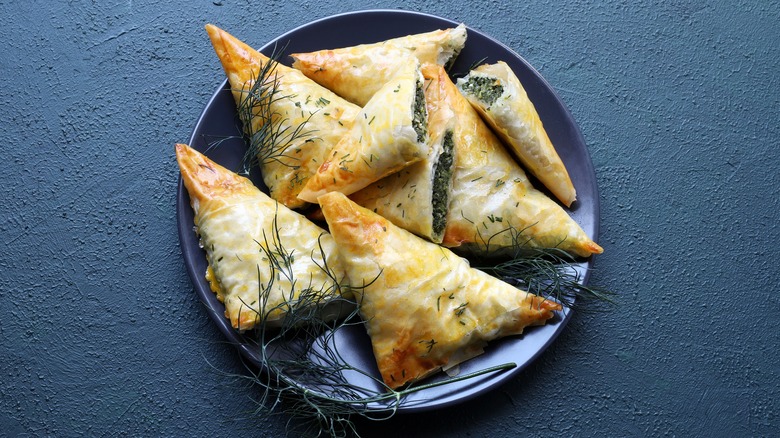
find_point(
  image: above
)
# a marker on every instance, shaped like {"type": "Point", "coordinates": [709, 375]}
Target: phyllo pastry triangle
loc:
{"type": "Point", "coordinates": [263, 257]}
{"type": "Point", "coordinates": [497, 93]}
{"type": "Point", "coordinates": [494, 209]}
{"type": "Point", "coordinates": [292, 121]}
{"type": "Point", "coordinates": [356, 73]}
{"type": "Point", "coordinates": [417, 197]}
{"type": "Point", "coordinates": [388, 134]}
{"type": "Point", "coordinates": [424, 308]}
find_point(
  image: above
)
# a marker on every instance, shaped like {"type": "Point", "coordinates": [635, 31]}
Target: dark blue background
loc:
{"type": "Point", "coordinates": [100, 331]}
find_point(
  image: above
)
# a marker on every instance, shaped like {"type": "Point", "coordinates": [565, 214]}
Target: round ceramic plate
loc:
{"type": "Point", "coordinates": [219, 124]}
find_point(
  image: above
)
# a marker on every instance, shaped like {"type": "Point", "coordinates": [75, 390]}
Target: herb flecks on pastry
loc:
{"type": "Point", "coordinates": [417, 197]}
{"type": "Point", "coordinates": [264, 259]}
{"type": "Point", "coordinates": [494, 209]}
{"type": "Point", "coordinates": [498, 94]}
{"type": "Point", "coordinates": [388, 134]}
{"type": "Point", "coordinates": [291, 121]}
{"type": "Point", "coordinates": [424, 308]}
{"type": "Point", "coordinates": [357, 73]}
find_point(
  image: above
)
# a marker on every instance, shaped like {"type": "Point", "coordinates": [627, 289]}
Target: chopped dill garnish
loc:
{"type": "Point", "coordinates": [429, 344]}
{"type": "Point", "coordinates": [460, 309]}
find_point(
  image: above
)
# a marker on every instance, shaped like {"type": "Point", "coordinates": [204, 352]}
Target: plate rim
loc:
{"type": "Point", "coordinates": [489, 381]}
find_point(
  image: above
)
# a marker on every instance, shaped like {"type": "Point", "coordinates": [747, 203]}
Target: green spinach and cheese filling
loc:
{"type": "Point", "coordinates": [486, 89]}
{"type": "Point", "coordinates": [442, 183]}
{"type": "Point", "coordinates": [357, 73]}
{"type": "Point", "coordinates": [420, 120]}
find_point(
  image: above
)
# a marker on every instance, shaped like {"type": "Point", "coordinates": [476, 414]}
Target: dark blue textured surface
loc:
{"type": "Point", "coordinates": [679, 104]}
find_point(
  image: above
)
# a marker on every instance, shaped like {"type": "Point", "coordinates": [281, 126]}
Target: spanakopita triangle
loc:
{"type": "Point", "coordinates": [263, 258]}
{"type": "Point", "coordinates": [494, 208]}
{"type": "Point", "coordinates": [388, 134]}
{"type": "Point", "coordinates": [496, 92]}
{"type": "Point", "coordinates": [416, 198]}
{"type": "Point", "coordinates": [292, 122]}
{"type": "Point", "coordinates": [357, 73]}
{"type": "Point", "coordinates": [424, 308]}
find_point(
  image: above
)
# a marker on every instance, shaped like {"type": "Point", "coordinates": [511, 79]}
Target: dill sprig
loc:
{"type": "Point", "coordinates": [304, 373]}
{"type": "Point", "coordinates": [268, 132]}
{"type": "Point", "coordinates": [550, 273]}
{"type": "Point", "coordinates": [474, 64]}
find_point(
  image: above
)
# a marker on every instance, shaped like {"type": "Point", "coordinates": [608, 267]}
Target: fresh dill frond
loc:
{"type": "Point", "coordinates": [550, 273]}
{"type": "Point", "coordinates": [475, 64]}
{"type": "Point", "coordinates": [267, 130]}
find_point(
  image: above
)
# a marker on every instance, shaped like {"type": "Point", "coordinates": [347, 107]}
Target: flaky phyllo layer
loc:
{"type": "Point", "coordinates": [424, 308]}
{"type": "Point", "coordinates": [264, 259]}
{"type": "Point", "coordinates": [422, 172]}
{"type": "Point", "coordinates": [494, 208]}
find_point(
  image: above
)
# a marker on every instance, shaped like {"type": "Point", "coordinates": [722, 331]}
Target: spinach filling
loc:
{"type": "Point", "coordinates": [485, 88]}
{"type": "Point", "coordinates": [420, 120]}
{"type": "Point", "coordinates": [441, 180]}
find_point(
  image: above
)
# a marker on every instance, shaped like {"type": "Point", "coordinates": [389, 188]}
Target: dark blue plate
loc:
{"type": "Point", "coordinates": [219, 122]}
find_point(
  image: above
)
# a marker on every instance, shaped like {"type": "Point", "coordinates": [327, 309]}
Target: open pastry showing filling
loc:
{"type": "Point", "coordinates": [417, 197]}
{"type": "Point", "coordinates": [495, 210]}
{"type": "Point", "coordinates": [499, 96]}
{"type": "Point", "coordinates": [389, 133]}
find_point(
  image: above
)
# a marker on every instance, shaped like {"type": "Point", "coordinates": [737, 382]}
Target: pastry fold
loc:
{"type": "Point", "coordinates": [424, 308]}
{"type": "Point", "coordinates": [357, 73]}
{"type": "Point", "coordinates": [294, 120]}
{"type": "Point", "coordinates": [417, 197]}
{"type": "Point", "coordinates": [496, 92]}
{"type": "Point", "coordinates": [494, 209]}
{"type": "Point", "coordinates": [263, 257]}
{"type": "Point", "coordinates": [388, 134]}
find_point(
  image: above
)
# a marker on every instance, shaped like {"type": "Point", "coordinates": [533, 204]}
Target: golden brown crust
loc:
{"type": "Point", "coordinates": [423, 306]}
{"type": "Point", "coordinates": [204, 179]}
{"type": "Point", "coordinates": [357, 72]}
{"type": "Point", "coordinates": [381, 141]}
{"type": "Point", "coordinates": [325, 68]}
{"type": "Point", "coordinates": [240, 61]}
